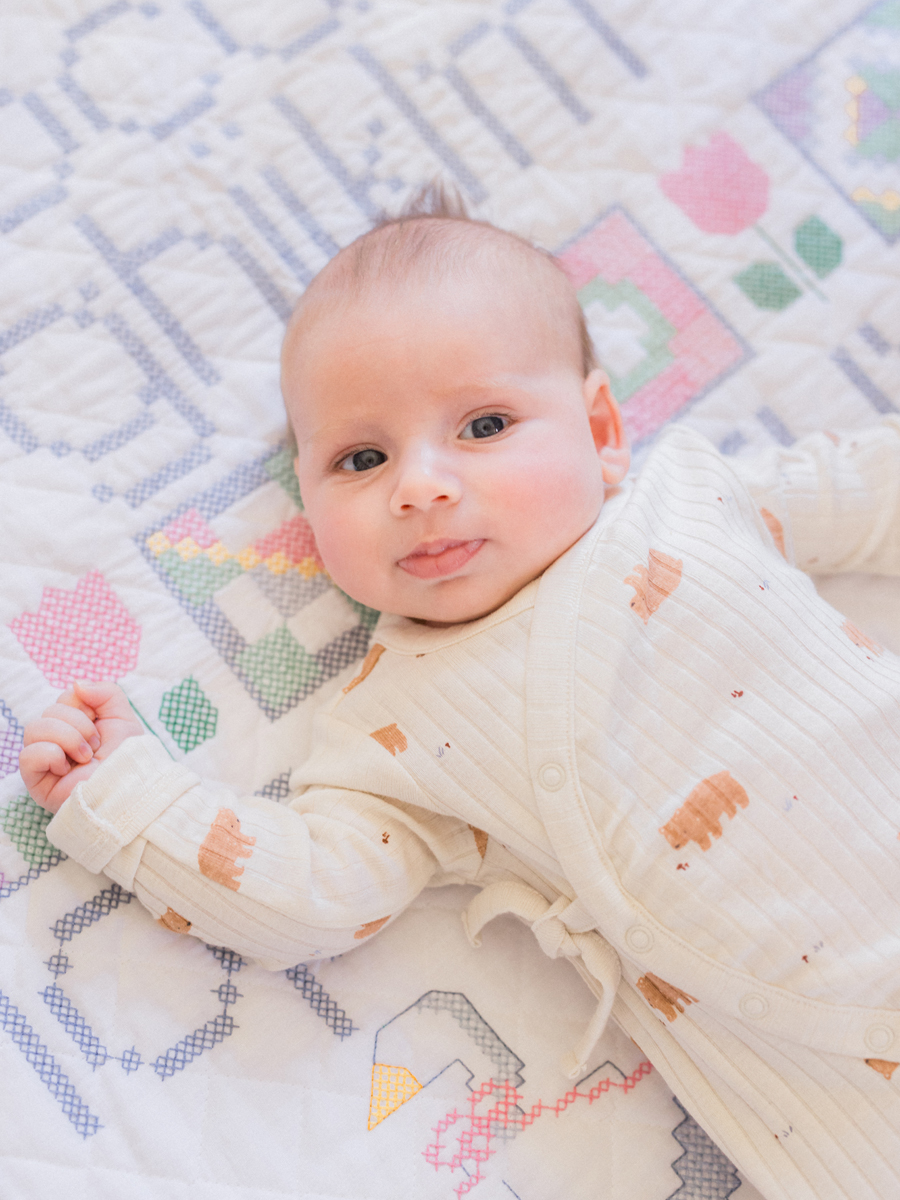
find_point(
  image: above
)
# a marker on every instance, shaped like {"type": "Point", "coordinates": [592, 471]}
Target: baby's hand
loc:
{"type": "Point", "coordinates": [72, 737]}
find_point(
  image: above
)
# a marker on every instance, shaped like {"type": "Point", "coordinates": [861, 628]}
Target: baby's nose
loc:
{"type": "Point", "coordinates": [424, 481]}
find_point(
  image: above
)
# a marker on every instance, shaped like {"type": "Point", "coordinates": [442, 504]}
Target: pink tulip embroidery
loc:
{"type": "Point", "coordinates": [87, 633]}
{"type": "Point", "coordinates": [722, 190]}
{"type": "Point", "coordinates": [719, 187]}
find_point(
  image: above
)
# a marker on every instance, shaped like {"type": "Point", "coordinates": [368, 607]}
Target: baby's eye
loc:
{"type": "Point", "coordinates": [363, 460]}
{"type": "Point", "coordinates": [487, 426]}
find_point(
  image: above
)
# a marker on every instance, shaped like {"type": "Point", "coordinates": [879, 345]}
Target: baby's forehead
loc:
{"type": "Point", "coordinates": [429, 257]}
{"type": "Point", "coordinates": [423, 252]}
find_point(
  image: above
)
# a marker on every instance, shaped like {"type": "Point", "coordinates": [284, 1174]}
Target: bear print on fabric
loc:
{"type": "Point", "coordinates": [481, 840]}
{"type": "Point", "coordinates": [701, 814]}
{"type": "Point", "coordinates": [375, 652]}
{"type": "Point", "coordinates": [370, 927]}
{"type": "Point", "coordinates": [174, 921]}
{"type": "Point", "coordinates": [858, 638]}
{"type": "Point", "coordinates": [776, 529]}
{"type": "Point", "coordinates": [653, 583]}
{"type": "Point", "coordinates": [222, 847]}
{"type": "Point", "coordinates": [882, 1066]}
{"type": "Point", "coordinates": [391, 737]}
{"type": "Point", "coordinates": [664, 997]}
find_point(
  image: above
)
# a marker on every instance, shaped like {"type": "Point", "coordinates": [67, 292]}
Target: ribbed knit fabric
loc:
{"type": "Point", "coordinates": [669, 727]}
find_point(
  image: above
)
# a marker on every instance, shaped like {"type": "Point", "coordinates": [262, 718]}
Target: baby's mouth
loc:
{"type": "Point", "coordinates": [430, 560]}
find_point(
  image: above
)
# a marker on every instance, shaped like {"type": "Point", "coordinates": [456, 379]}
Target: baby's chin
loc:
{"type": "Point", "coordinates": [443, 607]}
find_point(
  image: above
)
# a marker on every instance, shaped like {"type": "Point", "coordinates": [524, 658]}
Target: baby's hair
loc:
{"type": "Point", "coordinates": [435, 231]}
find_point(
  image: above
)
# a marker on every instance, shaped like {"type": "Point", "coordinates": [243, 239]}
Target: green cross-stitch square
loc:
{"type": "Point", "coordinates": [818, 246]}
{"type": "Point", "coordinates": [24, 823]}
{"type": "Point", "coordinates": [279, 666]}
{"type": "Point", "coordinates": [767, 286]}
{"type": "Point", "coordinates": [198, 578]}
{"type": "Point", "coordinates": [188, 715]}
{"type": "Point", "coordinates": [280, 467]}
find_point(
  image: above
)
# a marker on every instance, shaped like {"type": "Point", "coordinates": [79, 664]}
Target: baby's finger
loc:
{"type": "Point", "coordinates": [60, 733]}
{"type": "Point", "coordinates": [77, 718]}
{"type": "Point", "coordinates": [71, 699]}
{"type": "Point", "coordinates": [106, 699]}
{"type": "Point", "coordinates": [40, 759]}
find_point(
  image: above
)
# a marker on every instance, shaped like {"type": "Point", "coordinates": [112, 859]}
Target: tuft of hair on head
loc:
{"type": "Point", "coordinates": [437, 198]}
{"type": "Point", "coordinates": [434, 231]}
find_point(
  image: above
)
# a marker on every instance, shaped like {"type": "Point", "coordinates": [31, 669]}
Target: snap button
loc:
{"type": "Point", "coordinates": [754, 1006]}
{"type": "Point", "coordinates": [639, 938]}
{"type": "Point", "coordinates": [879, 1037]}
{"type": "Point", "coordinates": [551, 776]}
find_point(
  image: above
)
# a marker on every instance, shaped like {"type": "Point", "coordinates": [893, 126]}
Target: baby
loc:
{"type": "Point", "coordinates": [612, 704]}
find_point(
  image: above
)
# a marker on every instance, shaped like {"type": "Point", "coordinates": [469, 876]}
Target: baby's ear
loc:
{"type": "Point", "coordinates": [614, 462]}
{"type": "Point", "coordinates": [605, 418]}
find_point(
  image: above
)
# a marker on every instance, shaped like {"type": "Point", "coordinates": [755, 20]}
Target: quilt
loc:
{"type": "Point", "coordinates": [719, 177]}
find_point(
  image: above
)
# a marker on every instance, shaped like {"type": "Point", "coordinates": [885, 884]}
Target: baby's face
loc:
{"type": "Point", "coordinates": [448, 450]}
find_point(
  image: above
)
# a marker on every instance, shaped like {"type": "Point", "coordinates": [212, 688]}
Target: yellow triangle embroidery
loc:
{"type": "Point", "coordinates": [391, 1087]}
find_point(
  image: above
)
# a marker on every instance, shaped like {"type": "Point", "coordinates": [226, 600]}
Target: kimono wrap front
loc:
{"type": "Point", "coordinates": [668, 753]}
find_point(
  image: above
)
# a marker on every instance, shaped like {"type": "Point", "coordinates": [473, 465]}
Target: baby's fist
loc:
{"type": "Point", "coordinates": [68, 741]}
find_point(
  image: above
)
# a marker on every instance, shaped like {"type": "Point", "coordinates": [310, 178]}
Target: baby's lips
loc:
{"type": "Point", "coordinates": [433, 566]}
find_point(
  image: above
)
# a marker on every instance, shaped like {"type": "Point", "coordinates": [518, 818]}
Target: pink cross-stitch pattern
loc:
{"type": "Point", "coordinates": [293, 538]}
{"type": "Point", "coordinates": [718, 186]}
{"type": "Point", "coordinates": [190, 524]}
{"type": "Point", "coordinates": [475, 1143]}
{"type": "Point", "coordinates": [86, 633]}
{"type": "Point", "coordinates": [703, 346]}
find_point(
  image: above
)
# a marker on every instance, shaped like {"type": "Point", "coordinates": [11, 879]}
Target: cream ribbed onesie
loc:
{"type": "Point", "coordinates": [668, 754]}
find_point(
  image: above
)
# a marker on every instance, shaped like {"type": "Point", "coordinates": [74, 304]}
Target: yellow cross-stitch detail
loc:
{"type": "Point", "coordinates": [308, 568]}
{"type": "Point", "coordinates": [391, 1087]}
{"type": "Point", "coordinates": [249, 558]}
{"type": "Point", "coordinates": [187, 548]}
{"type": "Point", "coordinates": [889, 200]}
{"type": "Point", "coordinates": [278, 563]}
{"type": "Point", "coordinates": [217, 553]}
{"type": "Point", "coordinates": [158, 543]}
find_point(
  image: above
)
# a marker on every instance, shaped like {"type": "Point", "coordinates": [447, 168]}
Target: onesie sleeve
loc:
{"type": "Point", "coordinates": [279, 883]}
{"type": "Point", "coordinates": [832, 503]}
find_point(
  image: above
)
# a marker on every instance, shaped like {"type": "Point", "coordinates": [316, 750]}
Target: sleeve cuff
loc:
{"type": "Point", "coordinates": [121, 799]}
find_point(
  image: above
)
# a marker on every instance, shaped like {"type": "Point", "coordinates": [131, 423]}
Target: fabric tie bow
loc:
{"type": "Point", "coordinates": [563, 929]}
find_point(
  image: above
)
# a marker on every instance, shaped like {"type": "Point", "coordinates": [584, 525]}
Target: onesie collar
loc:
{"type": "Point", "coordinates": [405, 636]}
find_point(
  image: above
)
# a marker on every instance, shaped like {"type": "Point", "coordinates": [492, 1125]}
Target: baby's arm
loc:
{"type": "Point", "coordinates": [277, 882]}
{"type": "Point", "coordinates": [837, 499]}
{"type": "Point", "coordinates": [70, 739]}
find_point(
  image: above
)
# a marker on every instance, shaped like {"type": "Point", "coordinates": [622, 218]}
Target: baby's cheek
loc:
{"type": "Point", "coordinates": [348, 553]}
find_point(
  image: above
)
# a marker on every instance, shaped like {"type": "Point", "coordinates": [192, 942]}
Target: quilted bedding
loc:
{"type": "Point", "coordinates": [721, 178]}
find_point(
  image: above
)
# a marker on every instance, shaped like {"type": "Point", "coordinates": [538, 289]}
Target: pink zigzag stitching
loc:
{"type": "Point", "coordinates": [500, 1114]}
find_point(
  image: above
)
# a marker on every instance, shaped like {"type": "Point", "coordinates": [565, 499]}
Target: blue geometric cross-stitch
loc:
{"type": "Point", "coordinates": [506, 1065]}
{"type": "Point", "coordinates": [39, 1057]}
{"type": "Point", "coordinates": [10, 741]}
{"type": "Point", "coordinates": [319, 1001]}
{"type": "Point", "coordinates": [101, 905]}
{"type": "Point", "coordinates": [705, 1172]}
